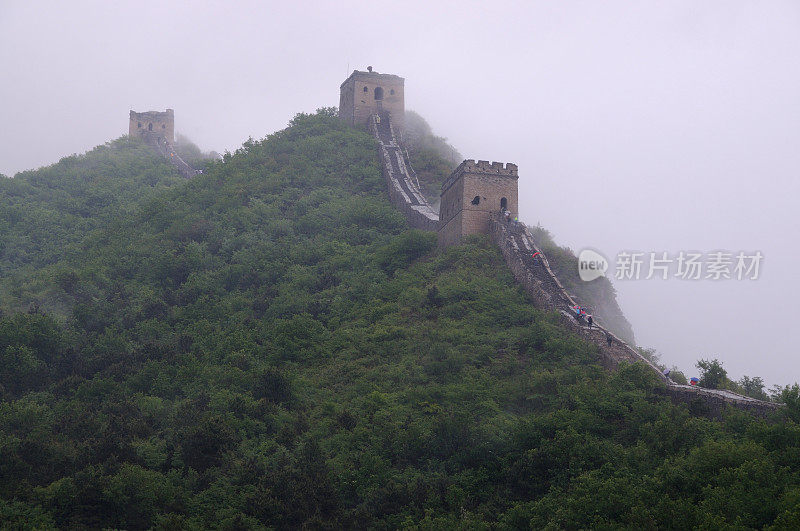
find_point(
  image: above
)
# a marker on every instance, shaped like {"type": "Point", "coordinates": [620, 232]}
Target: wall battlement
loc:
{"type": "Point", "coordinates": [403, 188]}
{"type": "Point", "coordinates": [487, 167]}
{"type": "Point", "coordinates": [517, 247]}
{"type": "Point", "coordinates": [372, 75]}
{"type": "Point", "coordinates": [481, 167]}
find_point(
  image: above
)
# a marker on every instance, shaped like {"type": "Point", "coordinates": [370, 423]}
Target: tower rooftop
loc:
{"type": "Point", "coordinates": [361, 74]}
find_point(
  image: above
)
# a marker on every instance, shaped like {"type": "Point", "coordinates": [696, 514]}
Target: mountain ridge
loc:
{"type": "Point", "coordinates": [269, 344]}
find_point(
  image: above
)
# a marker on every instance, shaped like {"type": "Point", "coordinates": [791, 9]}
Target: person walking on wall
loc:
{"type": "Point", "coordinates": [589, 320]}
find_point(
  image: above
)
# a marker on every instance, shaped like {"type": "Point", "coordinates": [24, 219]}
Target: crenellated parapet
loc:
{"type": "Point", "coordinates": [484, 166]}
{"type": "Point", "coordinates": [481, 167]}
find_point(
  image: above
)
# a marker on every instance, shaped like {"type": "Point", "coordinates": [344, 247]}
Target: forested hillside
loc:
{"type": "Point", "coordinates": [48, 217]}
{"type": "Point", "coordinates": [268, 345]}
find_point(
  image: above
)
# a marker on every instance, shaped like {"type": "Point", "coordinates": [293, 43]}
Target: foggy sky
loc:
{"type": "Point", "coordinates": [647, 126]}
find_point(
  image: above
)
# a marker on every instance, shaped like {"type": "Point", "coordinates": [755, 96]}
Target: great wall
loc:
{"type": "Point", "coordinates": [516, 244]}
{"type": "Point", "coordinates": [378, 104]}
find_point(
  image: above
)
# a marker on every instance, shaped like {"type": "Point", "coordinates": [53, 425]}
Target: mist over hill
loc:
{"type": "Point", "coordinates": [269, 345]}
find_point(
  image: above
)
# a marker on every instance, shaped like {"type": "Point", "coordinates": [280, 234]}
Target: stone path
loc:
{"type": "Point", "coordinates": [403, 189]}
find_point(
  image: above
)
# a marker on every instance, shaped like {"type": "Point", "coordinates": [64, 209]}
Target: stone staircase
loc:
{"type": "Point", "coordinates": [403, 188]}
{"type": "Point", "coordinates": [535, 275]}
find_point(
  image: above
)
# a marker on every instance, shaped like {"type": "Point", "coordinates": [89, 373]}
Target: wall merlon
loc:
{"type": "Point", "coordinates": [481, 167]}
{"type": "Point", "coordinates": [484, 166]}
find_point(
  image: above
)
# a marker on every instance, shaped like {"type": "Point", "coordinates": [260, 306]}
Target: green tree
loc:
{"type": "Point", "coordinates": [273, 386]}
{"type": "Point", "coordinates": [790, 395]}
{"type": "Point", "coordinates": [712, 375]}
{"type": "Point", "coordinates": [753, 387]}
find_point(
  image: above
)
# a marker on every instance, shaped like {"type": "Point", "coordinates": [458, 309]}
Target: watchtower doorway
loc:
{"type": "Point", "coordinates": [378, 93]}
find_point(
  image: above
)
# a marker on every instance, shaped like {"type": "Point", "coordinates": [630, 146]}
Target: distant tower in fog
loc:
{"type": "Point", "coordinates": [153, 122]}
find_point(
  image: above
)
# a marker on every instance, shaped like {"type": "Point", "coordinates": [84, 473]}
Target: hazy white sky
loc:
{"type": "Point", "coordinates": [651, 126]}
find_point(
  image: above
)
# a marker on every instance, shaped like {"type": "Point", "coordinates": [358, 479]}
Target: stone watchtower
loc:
{"type": "Point", "coordinates": [157, 123]}
{"type": "Point", "coordinates": [365, 93]}
{"type": "Point", "coordinates": [473, 192]}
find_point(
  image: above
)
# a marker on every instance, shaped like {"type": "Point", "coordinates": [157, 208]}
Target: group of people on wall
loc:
{"type": "Point", "coordinates": [582, 313]}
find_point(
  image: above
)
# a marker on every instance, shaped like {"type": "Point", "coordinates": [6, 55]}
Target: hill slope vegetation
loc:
{"type": "Point", "coordinates": [269, 345]}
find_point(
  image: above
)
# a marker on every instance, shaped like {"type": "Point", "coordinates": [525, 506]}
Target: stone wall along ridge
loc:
{"type": "Point", "coordinates": [517, 247]}
{"type": "Point", "coordinates": [403, 189]}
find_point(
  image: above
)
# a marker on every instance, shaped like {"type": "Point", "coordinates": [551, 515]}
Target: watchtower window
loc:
{"type": "Point", "coordinates": [163, 126]}
{"type": "Point", "coordinates": [476, 200]}
{"type": "Point", "coordinates": [503, 203]}
{"type": "Point", "coordinates": [149, 127]}
{"type": "Point", "coordinates": [366, 89]}
{"type": "Point", "coordinates": [378, 93]}
{"type": "Point", "coordinates": [140, 125]}
{"type": "Point", "coordinates": [391, 92]}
